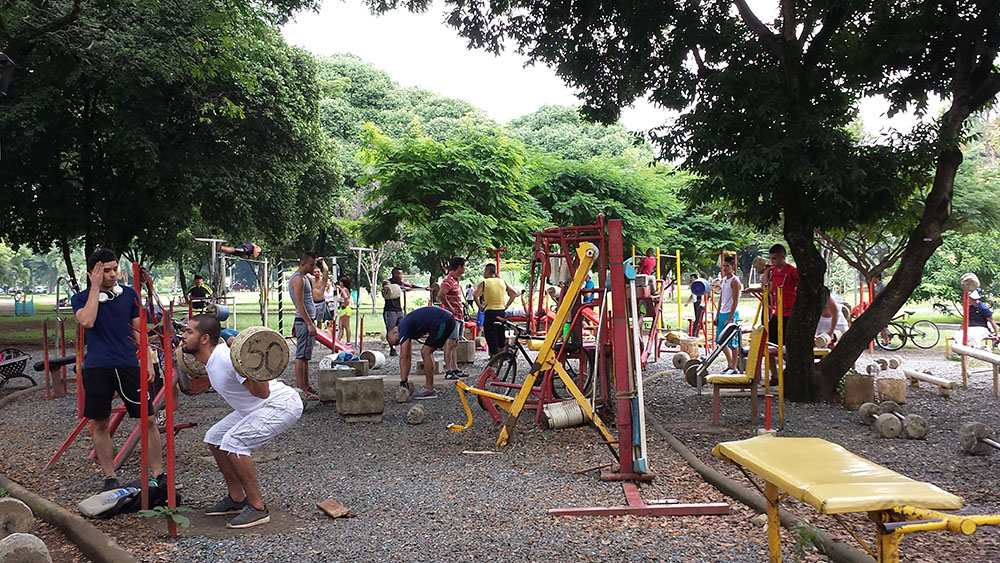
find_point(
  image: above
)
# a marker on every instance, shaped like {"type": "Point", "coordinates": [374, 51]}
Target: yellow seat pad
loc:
{"type": "Point", "coordinates": [728, 379]}
{"type": "Point", "coordinates": [829, 477]}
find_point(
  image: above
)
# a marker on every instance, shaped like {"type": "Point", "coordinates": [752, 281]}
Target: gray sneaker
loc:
{"type": "Point", "coordinates": [250, 517]}
{"type": "Point", "coordinates": [226, 506]}
{"type": "Point", "coordinates": [425, 393]}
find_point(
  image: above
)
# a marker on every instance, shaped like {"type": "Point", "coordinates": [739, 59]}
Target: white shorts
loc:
{"type": "Point", "coordinates": [977, 336]}
{"type": "Point", "coordinates": [241, 433]}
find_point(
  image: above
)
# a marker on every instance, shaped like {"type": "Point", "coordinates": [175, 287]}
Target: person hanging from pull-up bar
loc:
{"type": "Point", "coordinates": [245, 250]}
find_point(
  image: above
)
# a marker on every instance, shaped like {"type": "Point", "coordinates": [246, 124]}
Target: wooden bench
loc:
{"type": "Point", "coordinates": [750, 379]}
{"type": "Point", "coordinates": [835, 481]}
{"type": "Point", "coordinates": [915, 377]}
{"type": "Point", "coordinates": [967, 352]}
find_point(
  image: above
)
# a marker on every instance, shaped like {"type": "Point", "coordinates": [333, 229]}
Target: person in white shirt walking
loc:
{"type": "Point", "coordinates": [262, 410]}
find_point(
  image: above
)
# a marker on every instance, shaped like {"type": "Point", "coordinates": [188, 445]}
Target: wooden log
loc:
{"type": "Point", "coordinates": [915, 377]}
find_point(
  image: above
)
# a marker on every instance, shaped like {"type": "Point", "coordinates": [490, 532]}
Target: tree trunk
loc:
{"type": "Point", "coordinates": [70, 272]}
{"type": "Point", "coordinates": [180, 275]}
{"type": "Point", "coordinates": [800, 383]}
{"type": "Point", "coordinates": [923, 241]}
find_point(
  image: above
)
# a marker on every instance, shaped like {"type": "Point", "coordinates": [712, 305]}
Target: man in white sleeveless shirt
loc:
{"type": "Point", "coordinates": [728, 301]}
{"type": "Point", "coordinates": [263, 409]}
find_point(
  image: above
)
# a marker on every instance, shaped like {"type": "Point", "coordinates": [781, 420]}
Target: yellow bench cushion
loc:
{"type": "Point", "coordinates": [728, 379]}
{"type": "Point", "coordinates": [829, 477]}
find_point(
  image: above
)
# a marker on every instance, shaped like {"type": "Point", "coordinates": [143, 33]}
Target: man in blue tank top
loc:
{"type": "Point", "coordinates": [303, 328]}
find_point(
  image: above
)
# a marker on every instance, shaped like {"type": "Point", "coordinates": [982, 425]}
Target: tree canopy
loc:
{"type": "Point", "coordinates": [765, 114]}
{"type": "Point", "coordinates": [136, 110]}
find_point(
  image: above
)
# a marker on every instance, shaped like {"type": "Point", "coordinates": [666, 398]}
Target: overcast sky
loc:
{"type": "Point", "coordinates": [420, 50]}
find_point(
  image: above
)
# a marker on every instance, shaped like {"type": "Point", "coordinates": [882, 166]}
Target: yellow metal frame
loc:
{"type": "Point", "coordinates": [545, 361]}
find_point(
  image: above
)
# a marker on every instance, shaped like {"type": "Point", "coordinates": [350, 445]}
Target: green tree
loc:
{"type": "Point", "coordinates": [450, 198]}
{"type": "Point", "coordinates": [144, 122]}
{"type": "Point", "coordinates": [766, 109]}
{"type": "Point", "coordinates": [562, 130]}
{"type": "Point", "coordinates": [974, 252]}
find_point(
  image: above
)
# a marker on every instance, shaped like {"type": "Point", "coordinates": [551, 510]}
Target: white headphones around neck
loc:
{"type": "Point", "coordinates": [110, 295]}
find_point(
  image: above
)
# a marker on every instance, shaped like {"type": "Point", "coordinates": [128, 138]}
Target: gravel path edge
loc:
{"type": "Point", "coordinates": [18, 394]}
{"type": "Point", "coordinates": [838, 551]}
{"type": "Point", "coordinates": [94, 543]}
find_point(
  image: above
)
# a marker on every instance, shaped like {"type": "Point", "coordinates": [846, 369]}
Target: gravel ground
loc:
{"type": "Point", "coordinates": [417, 496]}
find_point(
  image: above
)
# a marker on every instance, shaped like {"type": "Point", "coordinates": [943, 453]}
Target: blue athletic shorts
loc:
{"type": "Point", "coordinates": [720, 324]}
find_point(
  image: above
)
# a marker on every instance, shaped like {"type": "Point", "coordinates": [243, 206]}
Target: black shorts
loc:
{"type": "Point", "coordinates": [440, 334]}
{"type": "Point", "coordinates": [772, 328]}
{"type": "Point", "coordinates": [100, 386]}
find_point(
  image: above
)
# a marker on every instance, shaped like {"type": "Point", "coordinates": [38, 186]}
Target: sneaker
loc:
{"type": "Point", "coordinates": [425, 393]}
{"type": "Point", "coordinates": [226, 506]}
{"type": "Point", "coordinates": [404, 384]}
{"type": "Point", "coordinates": [110, 484]}
{"type": "Point", "coordinates": [392, 351]}
{"type": "Point", "coordinates": [250, 517]}
{"type": "Point", "coordinates": [455, 374]}
{"type": "Point", "coordinates": [311, 394]}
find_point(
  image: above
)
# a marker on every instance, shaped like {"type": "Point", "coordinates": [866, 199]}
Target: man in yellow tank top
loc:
{"type": "Point", "coordinates": [489, 297]}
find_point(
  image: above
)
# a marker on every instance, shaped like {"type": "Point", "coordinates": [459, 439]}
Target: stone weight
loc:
{"type": "Point", "coordinates": [691, 368]}
{"type": "Point", "coordinates": [402, 394]}
{"type": "Point", "coordinates": [888, 425]}
{"type": "Point", "coordinates": [915, 427]}
{"type": "Point", "coordinates": [867, 413]}
{"type": "Point", "coordinates": [416, 415]}
{"type": "Point", "coordinates": [15, 517]}
{"type": "Point", "coordinates": [888, 407]}
{"type": "Point", "coordinates": [973, 437]}
{"type": "Point", "coordinates": [23, 548]}
{"type": "Point", "coordinates": [679, 359]}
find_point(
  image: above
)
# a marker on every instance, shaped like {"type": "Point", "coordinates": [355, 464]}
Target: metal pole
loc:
{"type": "Point", "coordinates": [262, 287]}
{"type": "Point", "coordinates": [143, 393]}
{"type": "Point", "coordinates": [281, 302]}
{"type": "Point", "coordinates": [357, 302]}
{"type": "Point", "coordinates": [168, 382]}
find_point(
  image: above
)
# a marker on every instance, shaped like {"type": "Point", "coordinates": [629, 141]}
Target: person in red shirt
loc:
{"type": "Point", "coordinates": [779, 275]}
{"type": "Point", "coordinates": [452, 299]}
{"type": "Point", "coordinates": [647, 266]}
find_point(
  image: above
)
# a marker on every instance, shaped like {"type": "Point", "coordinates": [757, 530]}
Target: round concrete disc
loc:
{"type": "Point", "coordinates": [15, 517]}
{"type": "Point", "coordinates": [23, 548]}
{"type": "Point", "coordinates": [867, 413]}
{"type": "Point", "coordinates": [888, 425]}
{"type": "Point", "coordinates": [888, 407]}
{"type": "Point", "coordinates": [915, 427]}
{"type": "Point", "coordinates": [259, 353]}
{"type": "Point", "coordinates": [969, 436]}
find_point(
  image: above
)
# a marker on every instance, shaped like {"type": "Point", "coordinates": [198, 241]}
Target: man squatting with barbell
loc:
{"type": "Point", "coordinates": [262, 410]}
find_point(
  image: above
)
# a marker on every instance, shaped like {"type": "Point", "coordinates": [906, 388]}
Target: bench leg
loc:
{"type": "Point", "coordinates": [715, 404]}
{"type": "Point", "coordinates": [888, 543]}
{"type": "Point", "coordinates": [753, 404]}
{"type": "Point", "coordinates": [773, 523]}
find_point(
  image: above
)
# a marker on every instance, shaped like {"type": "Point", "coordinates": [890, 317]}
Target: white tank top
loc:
{"type": "Point", "coordinates": [726, 300]}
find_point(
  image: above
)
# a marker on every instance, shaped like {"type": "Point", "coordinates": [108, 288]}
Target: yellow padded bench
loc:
{"type": "Point", "coordinates": [749, 380]}
{"type": "Point", "coordinates": [835, 481]}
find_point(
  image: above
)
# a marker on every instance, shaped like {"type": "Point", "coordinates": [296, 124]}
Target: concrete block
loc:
{"type": "Point", "coordinates": [360, 366]}
{"type": "Point", "coordinates": [327, 382]}
{"type": "Point", "coordinates": [361, 395]}
{"type": "Point", "coordinates": [438, 366]}
{"type": "Point", "coordinates": [466, 351]}
{"type": "Point", "coordinates": [480, 341]}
